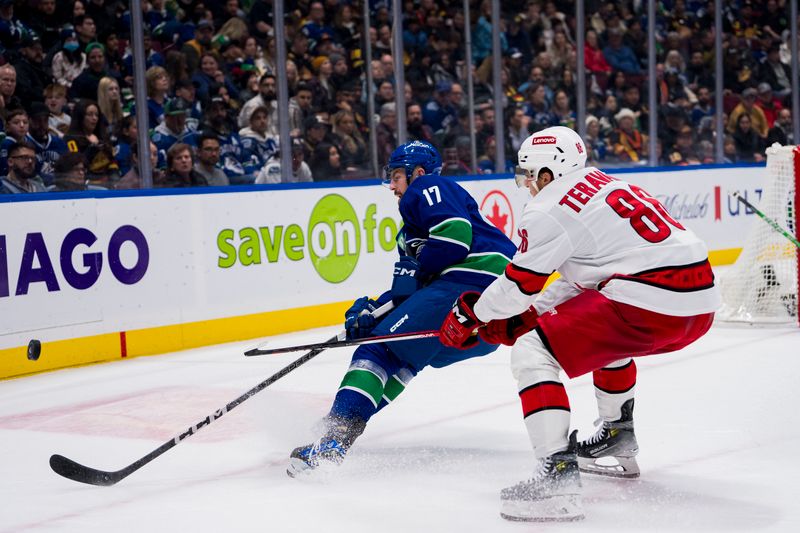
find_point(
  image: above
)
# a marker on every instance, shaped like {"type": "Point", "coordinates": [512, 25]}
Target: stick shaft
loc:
{"type": "Point", "coordinates": [84, 474]}
{"type": "Point", "coordinates": [394, 337]}
{"type": "Point", "coordinates": [774, 225]}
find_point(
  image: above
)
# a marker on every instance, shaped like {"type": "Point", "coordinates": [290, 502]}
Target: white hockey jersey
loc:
{"type": "Point", "coordinates": [609, 235]}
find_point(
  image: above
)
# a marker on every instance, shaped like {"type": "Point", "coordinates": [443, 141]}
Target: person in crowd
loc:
{"type": "Point", "coordinates": [560, 49]}
{"type": "Point", "coordinates": [629, 145]}
{"type": "Point", "coordinates": [351, 144]}
{"type": "Point", "coordinates": [536, 78]}
{"type": "Point", "coordinates": [684, 150]}
{"type": "Point", "coordinates": [86, 28]}
{"type": "Point", "coordinates": [12, 29]}
{"type": "Point", "coordinates": [781, 132]}
{"type": "Point", "coordinates": [114, 59]}
{"type": "Point", "coordinates": [729, 152]}
{"type": "Point", "coordinates": [767, 103]}
{"type": "Point", "coordinates": [158, 90]}
{"type": "Point", "coordinates": [698, 73]}
{"type": "Point", "coordinates": [439, 112]}
{"type": "Point", "coordinates": [49, 148]}
{"type": "Point", "coordinates": [87, 134]}
{"type": "Point", "coordinates": [46, 22]}
{"type": "Point", "coordinates": [258, 145]}
{"type": "Point", "coordinates": [537, 110]}
{"type": "Point", "coordinates": [326, 164]}
{"type": "Point", "coordinates": [32, 77]}
{"type": "Point", "coordinates": [455, 160]}
{"type": "Point", "coordinates": [8, 86]}
{"type": "Point", "coordinates": [55, 98]}
{"type": "Point", "coordinates": [210, 76]}
{"type": "Point", "coordinates": [632, 99]}
{"type": "Point", "coordinates": [267, 97]}
{"type": "Point", "coordinates": [416, 128]}
{"type": "Point", "coordinates": [131, 179]}
{"type": "Point", "coordinates": [180, 168]}
{"type": "Point", "coordinates": [758, 121]}
{"type": "Point", "coordinates": [173, 129]}
{"type": "Point", "coordinates": [562, 112]}
{"type": "Point", "coordinates": [124, 135]}
{"type": "Point", "coordinates": [596, 145]}
{"type": "Point", "coordinates": [385, 93]}
{"type": "Point", "coordinates": [17, 128]}
{"type": "Point", "coordinates": [194, 49]}
{"type": "Point", "coordinates": [704, 106]}
{"type": "Point", "coordinates": [518, 123]}
{"type": "Point", "coordinates": [272, 172]}
{"type": "Point", "coordinates": [316, 132]}
{"type": "Point", "coordinates": [69, 174]}
{"type": "Point", "coordinates": [109, 100]}
{"type": "Point", "coordinates": [322, 89]}
{"type": "Point", "coordinates": [21, 174]}
{"type": "Point", "coordinates": [300, 109]}
{"type": "Point", "coordinates": [218, 122]}
{"type": "Point", "coordinates": [776, 73]}
{"type": "Point", "coordinates": [594, 59]}
{"type": "Point", "coordinates": [386, 132]}
{"type": "Point", "coordinates": [619, 55]}
{"type": "Point", "coordinates": [85, 85]}
{"type": "Point", "coordinates": [749, 145]}
{"type": "Point", "coordinates": [207, 164]}
{"type": "Point", "coordinates": [185, 89]}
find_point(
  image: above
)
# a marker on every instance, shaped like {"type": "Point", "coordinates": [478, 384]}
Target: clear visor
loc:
{"type": "Point", "coordinates": [387, 178]}
{"type": "Point", "coordinates": [522, 175]}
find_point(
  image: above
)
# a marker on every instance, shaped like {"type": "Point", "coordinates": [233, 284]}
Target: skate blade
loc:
{"type": "Point", "coordinates": [620, 467]}
{"type": "Point", "coordinates": [298, 467]}
{"type": "Point", "coordinates": [561, 508]}
{"type": "Point", "coordinates": [322, 472]}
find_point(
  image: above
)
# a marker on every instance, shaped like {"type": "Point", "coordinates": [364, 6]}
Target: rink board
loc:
{"type": "Point", "coordinates": [118, 275]}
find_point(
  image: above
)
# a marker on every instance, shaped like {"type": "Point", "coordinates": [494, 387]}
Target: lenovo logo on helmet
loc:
{"type": "Point", "coordinates": [544, 140]}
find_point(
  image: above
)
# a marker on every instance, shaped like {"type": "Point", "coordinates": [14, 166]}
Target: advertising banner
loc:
{"type": "Point", "coordinates": [75, 268]}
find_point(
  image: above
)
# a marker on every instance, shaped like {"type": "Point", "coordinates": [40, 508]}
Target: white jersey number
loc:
{"type": "Point", "coordinates": [432, 192]}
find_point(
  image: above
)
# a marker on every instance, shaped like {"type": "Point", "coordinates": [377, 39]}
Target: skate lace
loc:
{"type": "Point", "coordinates": [599, 435]}
{"type": "Point", "coordinates": [544, 467]}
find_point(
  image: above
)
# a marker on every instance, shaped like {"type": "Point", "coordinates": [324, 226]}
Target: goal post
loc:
{"type": "Point", "coordinates": [761, 287]}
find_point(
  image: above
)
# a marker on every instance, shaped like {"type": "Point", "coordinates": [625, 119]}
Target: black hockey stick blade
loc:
{"type": "Point", "coordinates": [392, 337]}
{"type": "Point", "coordinates": [83, 474]}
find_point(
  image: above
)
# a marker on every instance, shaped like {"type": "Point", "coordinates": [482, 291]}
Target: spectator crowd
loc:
{"type": "Point", "coordinates": [68, 118]}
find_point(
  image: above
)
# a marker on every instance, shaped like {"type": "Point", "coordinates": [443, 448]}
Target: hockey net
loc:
{"type": "Point", "coordinates": [761, 287]}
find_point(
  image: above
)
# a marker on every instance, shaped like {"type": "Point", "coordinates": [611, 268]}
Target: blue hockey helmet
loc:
{"type": "Point", "coordinates": [412, 155]}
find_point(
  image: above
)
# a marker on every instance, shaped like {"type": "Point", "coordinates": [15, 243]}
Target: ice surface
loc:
{"type": "Point", "coordinates": [717, 424]}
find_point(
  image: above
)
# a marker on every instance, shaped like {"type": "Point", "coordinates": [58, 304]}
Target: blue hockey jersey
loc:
{"type": "Point", "coordinates": [448, 235]}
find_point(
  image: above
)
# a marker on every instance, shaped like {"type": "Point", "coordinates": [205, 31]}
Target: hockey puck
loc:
{"type": "Point", "coordinates": [34, 349]}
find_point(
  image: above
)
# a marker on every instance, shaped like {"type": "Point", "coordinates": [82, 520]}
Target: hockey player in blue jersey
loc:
{"type": "Point", "coordinates": [446, 247]}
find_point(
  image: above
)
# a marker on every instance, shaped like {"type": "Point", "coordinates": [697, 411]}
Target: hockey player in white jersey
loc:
{"type": "Point", "coordinates": [633, 282]}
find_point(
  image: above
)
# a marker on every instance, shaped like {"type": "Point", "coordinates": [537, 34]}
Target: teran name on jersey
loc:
{"type": "Point", "coordinates": [583, 191]}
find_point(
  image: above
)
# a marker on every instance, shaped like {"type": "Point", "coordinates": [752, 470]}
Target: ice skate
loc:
{"type": "Point", "coordinates": [553, 494]}
{"type": "Point", "coordinates": [612, 450]}
{"type": "Point", "coordinates": [329, 450]}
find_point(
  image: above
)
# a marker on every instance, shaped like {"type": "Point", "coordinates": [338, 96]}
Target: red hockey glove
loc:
{"type": "Point", "coordinates": [508, 330]}
{"type": "Point", "coordinates": [457, 328]}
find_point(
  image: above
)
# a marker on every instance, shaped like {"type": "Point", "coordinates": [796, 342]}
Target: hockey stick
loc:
{"type": "Point", "coordinates": [774, 225]}
{"type": "Point", "coordinates": [83, 474]}
{"type": "Point", "coordinates": [339, 343]}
